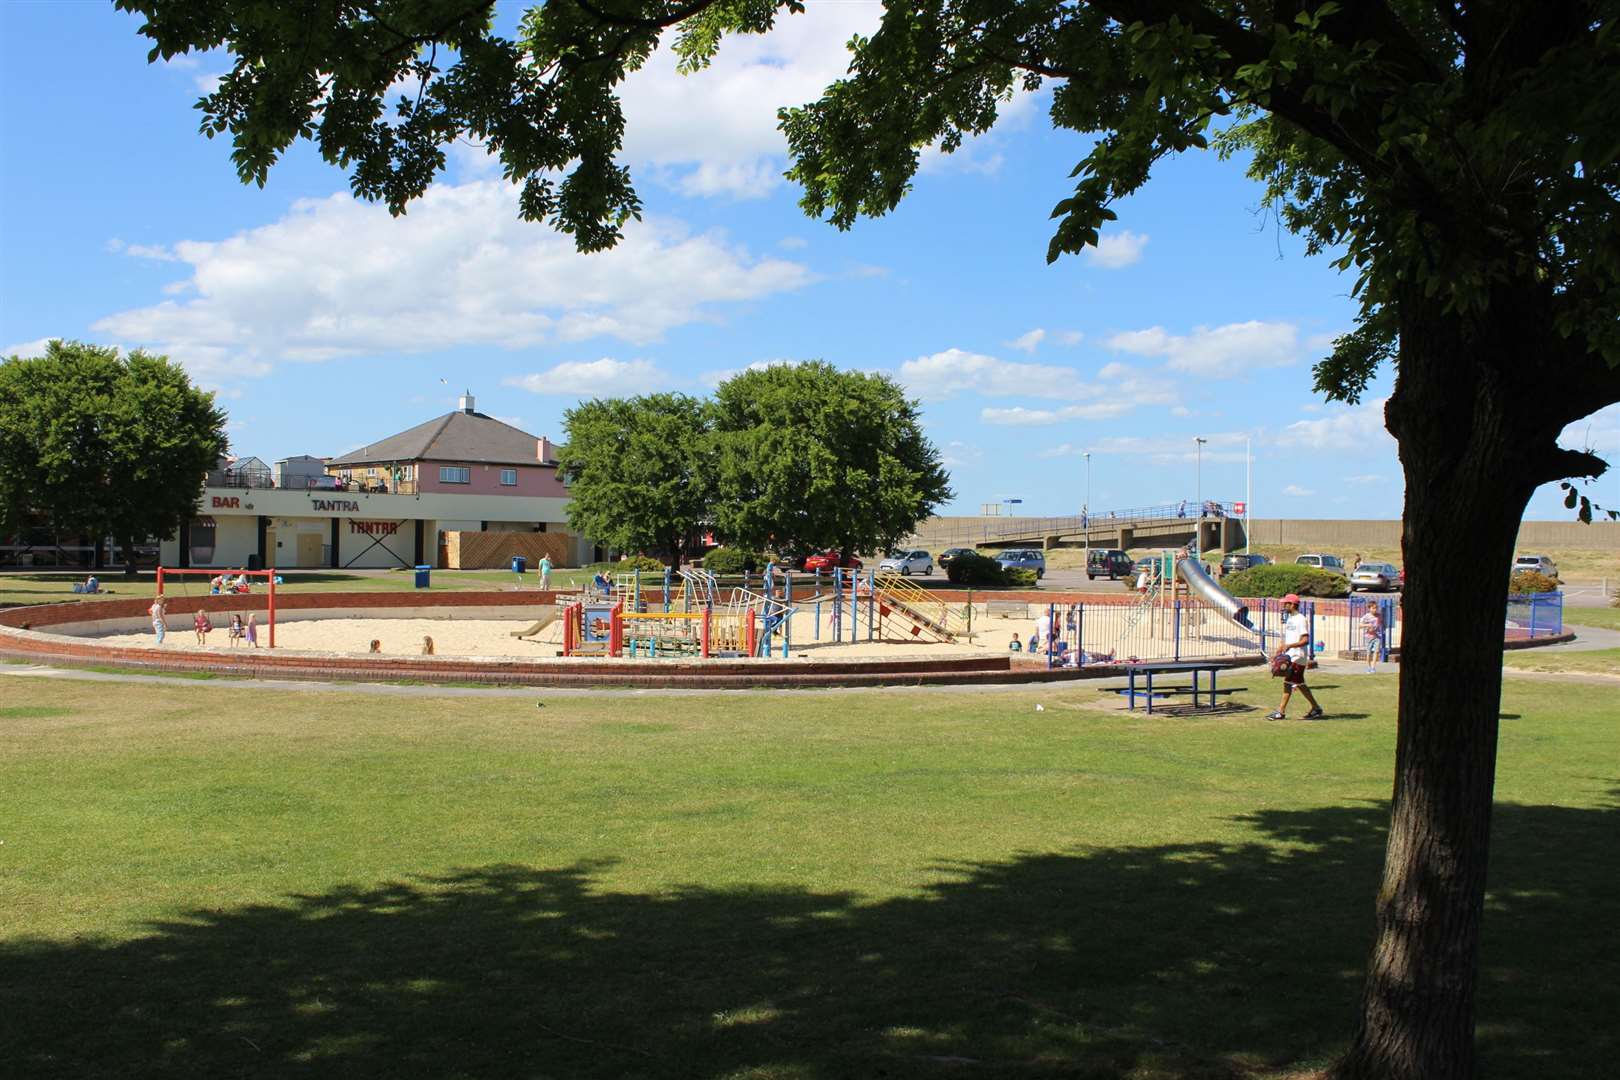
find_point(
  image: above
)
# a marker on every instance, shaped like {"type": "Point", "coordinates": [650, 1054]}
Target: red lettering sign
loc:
{"type": "Point", "coordinates": [227, 502]}
{"type": "Point", "coordinates": [374, 528]}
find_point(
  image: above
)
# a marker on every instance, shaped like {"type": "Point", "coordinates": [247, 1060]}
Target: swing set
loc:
{"type": "Point", "coordinates": [269, 577]}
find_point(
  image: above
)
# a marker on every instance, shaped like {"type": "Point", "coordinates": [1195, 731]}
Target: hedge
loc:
{"type": "Point", "coordinates": [1280, 580]}
{"type": "Point", "coordinates": [1528, 581]}
{"type": "Point", "coordinates": [728, 560]}
{"type": "Point", "coordinates": [971, 568]}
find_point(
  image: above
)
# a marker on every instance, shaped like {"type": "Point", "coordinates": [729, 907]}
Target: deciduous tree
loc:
{"type": "Point", "coordinates": [809, 456]}
{"type": "Point", "coordinates": [1458, 156]}
{"type": "Point", "coordinates": [637, 471]}
{"type": "Point", "coordinates": [105, 444]}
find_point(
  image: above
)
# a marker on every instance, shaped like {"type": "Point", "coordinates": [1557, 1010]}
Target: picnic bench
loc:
{"type": "Point", "coordinates": [1148, 669]}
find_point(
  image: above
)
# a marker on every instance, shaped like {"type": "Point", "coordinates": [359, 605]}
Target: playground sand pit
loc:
{"type": "Point", "coordinates": [493, 637]}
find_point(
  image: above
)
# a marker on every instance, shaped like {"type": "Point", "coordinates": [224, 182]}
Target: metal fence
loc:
{"type": "Point", "coordinates": [1534, 615]}
{"type": "Point", "coordinates": [1187, 629]}
{"type": "Point", "coordinates": [1024, 527]}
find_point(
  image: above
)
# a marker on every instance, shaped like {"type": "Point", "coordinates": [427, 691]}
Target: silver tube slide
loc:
{"type": "Point", "coordinates": [1204, 587]}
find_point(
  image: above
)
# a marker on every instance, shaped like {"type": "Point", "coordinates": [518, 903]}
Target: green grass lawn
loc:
{"type": "Point", "coordinates": [213, 881]}
{"type": "Point", "coordinates": [1608, 618]}
{"type": "Point", "coordinates": [1595, 662]}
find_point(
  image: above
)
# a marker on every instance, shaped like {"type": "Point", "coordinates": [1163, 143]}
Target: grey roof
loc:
{"type": "Point", "coordinates": [456, 436]}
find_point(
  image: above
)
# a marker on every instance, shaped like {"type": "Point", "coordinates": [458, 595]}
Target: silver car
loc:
{"type": "Point", "coordinates": [1378, 576]}
{"type": "Point", "coordinates": [907, 563]}
{"type": "Point", "coordinates": [1538, 564]}
{"type": "Point", "coordinates": [1022, 559]}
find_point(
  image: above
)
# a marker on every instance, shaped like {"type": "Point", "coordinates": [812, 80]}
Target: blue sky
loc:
{"type": "Point", "coordinates": [325, 324]}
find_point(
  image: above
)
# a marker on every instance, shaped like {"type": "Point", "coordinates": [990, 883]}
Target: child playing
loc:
{"type": "Point", "coordinates": [253, 630]}
{"type": "Point", "coordinates": [159, 625]}
{"type": "Point", "coordinates": [427, 646]}
{"type": "Point", "coordinates": [236, 629]}
{"type": "Point", "coordinates": [1372, 633]}
{"type": "Point", "coordinates": [200, 623]}
{"type": "Point", "coordinates": [1015, 645]}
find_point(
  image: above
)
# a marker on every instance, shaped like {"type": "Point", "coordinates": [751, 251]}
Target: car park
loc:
{"type": "Point", "coordinates": [1376, 577]}
{"type": "Point", "coordinates": [1023, 559]}
{"type": "Point", "coordinates": [825, 562]}
{"type": "Point", "coordinates": [1234, 563]}
{"type": "Point", "coordinates": [906, 563]}
{"type": "Point", "coordinates": [1330, 563]}
{"type": "Point", "coordinates": [1111, 563]}
{"type": "Point", "coordinates": [1535, 564]}
{"type": "Point", "coordinates": [949, 556]}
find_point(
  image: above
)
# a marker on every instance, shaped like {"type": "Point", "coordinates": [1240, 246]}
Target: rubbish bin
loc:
{"type": "Point", "coordinates": [422, 575]}
{"type": "Point", "coordinates": [520, 563]}
{"type": "Point", "coordinates": [253, 561]}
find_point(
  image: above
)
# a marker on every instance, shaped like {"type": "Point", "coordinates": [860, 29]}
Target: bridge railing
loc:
{"type": "Point", "coordinates": [1035, 528]}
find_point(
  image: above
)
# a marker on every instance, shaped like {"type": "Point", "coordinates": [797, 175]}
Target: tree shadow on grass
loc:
{"type": "Point", "coordinates": [1192, 960]}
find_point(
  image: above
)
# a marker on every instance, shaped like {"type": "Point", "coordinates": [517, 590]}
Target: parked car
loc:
{"type": "Point", "coordinates": [1107, 562]}
{"type": "Point", "coordinates": [1378, 576]}
{"type": "Point", "coordinates": [1234, 563]}
{"type": "Point", "coordinates": [949, 555]}
{"type": "Point", "coordinates": [825, 561]}
{"type": "Point", "coordinates": [1536, 564]}
{"type": "Point", "coordinates": [907, 563]}
{"type": "Point", "coordinates": [1023, 559]}
{"type": "Point", "coordinates": [1330, 563]}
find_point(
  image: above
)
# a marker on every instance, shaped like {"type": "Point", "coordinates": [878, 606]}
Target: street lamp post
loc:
{"type": "Point", "coordinates": [1198, 530]}
{"type": "Point", "coordinates": [1085, 511]}
{"type": "Point", "coordinates": [1248, 488]}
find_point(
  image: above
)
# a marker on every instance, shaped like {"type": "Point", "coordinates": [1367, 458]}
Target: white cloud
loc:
{"type": "Point", "coordinates": [1027, 342]}
{"type": "Point", "coordinates": [946, 374]}
{"type": "Point", "coordinates": [1180, 410]}
{"type": "Point", "coordinates": [1364, 478]}
{"type": "Point", "coordinates": [1070, 337]}
{"type": "Point", "coordinates": [957, 454]}
{"type": "Point", "coordinates": [714, 132]}
{"type": "Point", "coordinates": [793, 243]}
{"type": "Point", "coordinates": [594, 378]}
{"type": "Point", "coordinates": [1358, 428]}
{"type": "Point", "coordinates": [712, 379]}
{"type": "Point", "coordinates": [1220, 352]}
{"type": "Point", "coordinates": [1061, 450]}
{"type": "Point", "coordinates": [1298, 492]}
{"type": "Point", "coordinates": [1219, 447]}
{"type": "Point", "coordinates": [1599, 432]}
{"type": "Point", "coordinates": [336, 277]}
{"type": "Point", "coordinates": [1018, 416]}
{"type": "Point", "coordinates": [28, 348]}
{"type": "Point", "coordinates": [1116, 250]}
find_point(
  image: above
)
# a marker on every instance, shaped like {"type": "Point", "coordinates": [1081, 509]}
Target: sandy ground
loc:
{"type": "Point", "coordinates": [491, 637]}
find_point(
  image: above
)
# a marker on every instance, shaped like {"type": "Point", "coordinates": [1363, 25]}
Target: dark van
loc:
{"type": "Point", "coordinates": [1107, 562]}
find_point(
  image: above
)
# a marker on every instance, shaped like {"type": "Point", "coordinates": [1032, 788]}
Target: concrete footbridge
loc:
{"type": "Point", "coordinates": [1169, 525]}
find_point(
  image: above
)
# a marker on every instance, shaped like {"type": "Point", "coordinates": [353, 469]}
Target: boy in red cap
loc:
{"type": "Point", "coordinates": [1296, 635]}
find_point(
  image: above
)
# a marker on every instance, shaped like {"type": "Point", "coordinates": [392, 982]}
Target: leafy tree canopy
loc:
{"type": "Point", "coordinates": [102, 443]}
{"type": "Point", "coordinates": [636, 469]}
{"type": "Point", "coordinates": [809, 456]}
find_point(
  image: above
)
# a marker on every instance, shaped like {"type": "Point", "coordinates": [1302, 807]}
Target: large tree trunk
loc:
{"type": "Point", "coordinates": [1473, 446]}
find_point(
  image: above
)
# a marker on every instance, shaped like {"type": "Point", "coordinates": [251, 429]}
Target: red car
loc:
{"type": "Point", "coordinates": [824, 561]}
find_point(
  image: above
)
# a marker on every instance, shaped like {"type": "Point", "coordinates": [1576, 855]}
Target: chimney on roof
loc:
{"type": "Point", "coordinates": [545, 451]}
{"type": "Point", "coordinates": [466, 402]}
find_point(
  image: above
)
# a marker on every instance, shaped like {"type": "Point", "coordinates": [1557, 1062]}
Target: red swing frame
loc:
{"type": "Point", "coordinates": [268, 575]}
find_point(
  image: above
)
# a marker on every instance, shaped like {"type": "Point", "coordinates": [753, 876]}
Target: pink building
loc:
{"type": "Point", "coordinates": [459, 453]}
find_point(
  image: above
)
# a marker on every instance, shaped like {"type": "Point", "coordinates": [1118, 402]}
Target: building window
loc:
{"type": "Point", "coordinates": [405, 472]}
{"type": "Point", "coordinates": [455, 474]}
{"type": "Point", "coordinates": [509, 478]}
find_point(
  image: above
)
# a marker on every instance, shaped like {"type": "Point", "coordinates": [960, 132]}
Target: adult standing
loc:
{"type": "Point", "coordinates": [1296, 635]}
{"type": "Point", "coordinates": [1043, 630]}
{"type": "Point", "coordinates": [545, 572]}
{"type": "Point", "coordinates": [159, 626]}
